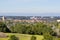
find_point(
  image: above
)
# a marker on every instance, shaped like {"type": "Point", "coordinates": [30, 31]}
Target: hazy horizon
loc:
{"type": "Point", "coordinates": [30, 7]}
{"type": "Point", "coordinates": [29, 14]}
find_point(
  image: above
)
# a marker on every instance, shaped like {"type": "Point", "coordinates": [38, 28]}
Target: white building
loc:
{"type": "Point", "coordinates": [58, 20]}
{"type": "Point", "coordinates": [3, 19]}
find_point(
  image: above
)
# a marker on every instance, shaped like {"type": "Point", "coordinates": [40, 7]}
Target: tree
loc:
{"type": "Point", "coordinates": [12, 29]}
{"type": "Point", "coordinates": [3, 27]}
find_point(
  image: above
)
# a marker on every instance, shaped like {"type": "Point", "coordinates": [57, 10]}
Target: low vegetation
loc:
{"type": "Point", "coordinates": [29, 31]}
{"type": "Point", "coordinates": [33, 38]}
{"type": "Point", "coordinates": [22, 36]}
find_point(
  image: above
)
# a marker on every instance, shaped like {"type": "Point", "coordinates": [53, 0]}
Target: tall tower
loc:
{"type": "Point", "coordinates": [3, 19]}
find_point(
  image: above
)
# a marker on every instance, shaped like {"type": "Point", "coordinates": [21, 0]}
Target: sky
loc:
{"type": "Point", "coordinates": [29, 7]}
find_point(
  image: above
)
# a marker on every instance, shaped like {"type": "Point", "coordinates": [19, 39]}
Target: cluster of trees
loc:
{"type": "Point", "coordinates": [36, 28]}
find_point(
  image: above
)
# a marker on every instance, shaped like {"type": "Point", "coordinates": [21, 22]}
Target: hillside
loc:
{"type": "Point", "coordinates": [22, 36]}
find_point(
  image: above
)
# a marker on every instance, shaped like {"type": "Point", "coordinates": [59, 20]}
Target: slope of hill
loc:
{"type": "Point", "coordinates": [22, 36]}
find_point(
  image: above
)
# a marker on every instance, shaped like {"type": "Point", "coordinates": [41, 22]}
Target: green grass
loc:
{"type": "Point", "coordinates": [3, 38]}
{"type": "Point", "coordinates": [22, 36]}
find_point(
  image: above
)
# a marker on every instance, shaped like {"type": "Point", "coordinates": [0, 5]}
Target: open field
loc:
{"type": "Point", "coordinates": [22, 36]}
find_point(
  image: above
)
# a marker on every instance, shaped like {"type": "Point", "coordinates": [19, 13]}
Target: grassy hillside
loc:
{"type": "Point", "coordinates": [22, 36]}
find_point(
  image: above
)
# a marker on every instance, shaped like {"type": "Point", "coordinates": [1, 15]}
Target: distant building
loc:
{"type": "Point", "coordinates": [58, 20]}
{"type": "Point", "coordinates": [3, 19]}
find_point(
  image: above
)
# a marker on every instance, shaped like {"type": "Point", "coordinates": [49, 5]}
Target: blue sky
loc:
{"type": "Point", "coordinates": [29, 7]}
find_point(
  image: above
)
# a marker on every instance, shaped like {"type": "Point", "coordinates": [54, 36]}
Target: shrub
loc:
{"type": "Point", "coordinates": [33, 38]}
{"type": "Point", "coordinates": [48, 37]}
{"type": "Point", "coordinates": [13, 37]}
